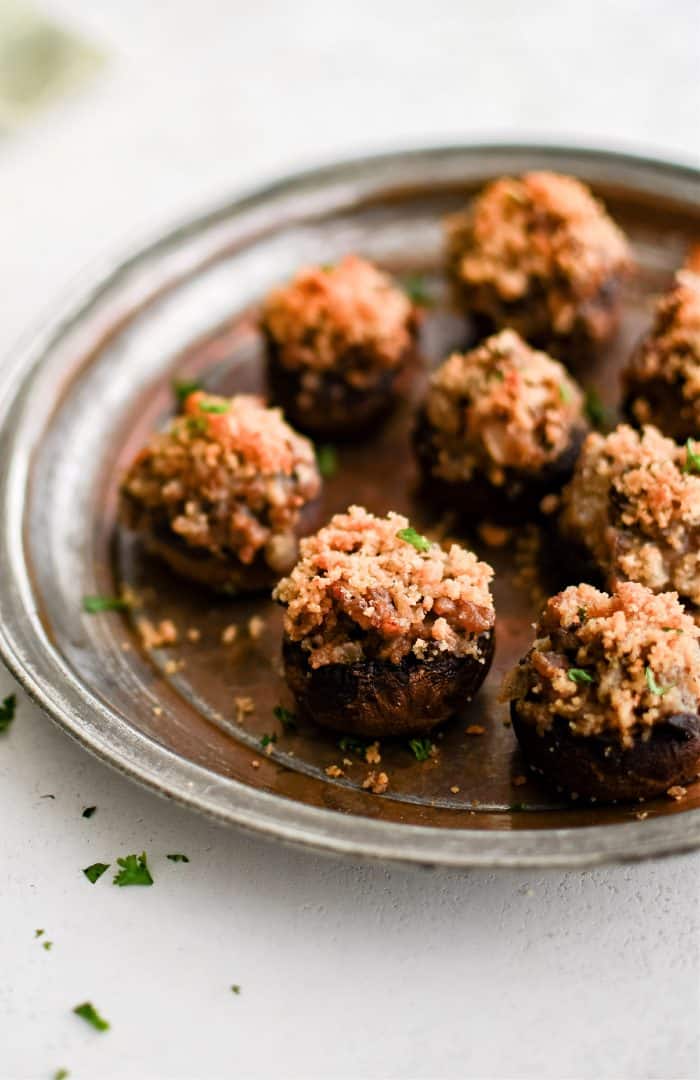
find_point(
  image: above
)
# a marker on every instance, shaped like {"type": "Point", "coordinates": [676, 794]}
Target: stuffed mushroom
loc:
{"type": "Point", "coordinates": [605, 703]}
{"type": "Point", "coordinates": [223, 494]}
{"type": "Point", "coordinates": [540, 254]}
{"type": "Point", "coordinates": [632, 510]}
{"type": "Point", "coordinates": [661, 383]}
{"type": "Point", "coordinates": [501, 428]}
{"type": "Point", "coordinates": [337, 338]}
{"type": "Point", "coordinates": [384, 632]}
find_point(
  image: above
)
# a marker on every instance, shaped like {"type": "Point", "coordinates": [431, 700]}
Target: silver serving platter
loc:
{"type": "Point", "coordinates": [79, 394]}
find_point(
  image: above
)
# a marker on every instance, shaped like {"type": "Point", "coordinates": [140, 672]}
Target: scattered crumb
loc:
{"type": "Point", "coordinates": [157, 710]}
{"type": "Point", "coordinates": [171, 667]}
{"type": "Point", "coordinates": [228, 634]}
{"type": "Point", "coordinates": [256, 625]}
{"type": "Point", "coordinates": [518, 781]}
{"type": "Point", "coordinates": [244, 706]}
{"type": "Point", "coordinates": [495, 536]}
{"type": "Point", "coordinates": [376, 782]}
{"type": "Point", "coordinates": [126, 646]}
{"type": "Point", "coordinates": [677, 792]}
{"type": "Point", "coordinates": [476, 729]}
{"type": "Point", "coordinates": [475, 802]}
{"type": "Point", "coordinates": [255, 763]}
{"type": "Point", "coordinates": [155, 637]}
{"type": "Point", "coordinates": [193, 634]}
{"type": "Point", "coordinates": [549, 504]}
{"type": "Point", "coordinates": [269, 747]}
{"type": "Point", "coordinates": [372, 755]}
{"type": "Point", "coordinates": [454, 790]}
{"type": "Point", "coordinates": [130, 597]}
{"type": "Point", "coordinates": [334, 771]}
{"type": "Point", "coordinates": [347, 762]}
{"type": "Point", "coordinates": [642, 815]}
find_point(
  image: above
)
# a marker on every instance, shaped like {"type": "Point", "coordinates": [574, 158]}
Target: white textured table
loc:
{"type": "Point", "coordinates": [345, 970]}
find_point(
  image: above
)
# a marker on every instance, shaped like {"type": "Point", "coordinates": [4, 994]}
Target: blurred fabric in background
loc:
{"type": "Point", "coordinates": [39, 61]}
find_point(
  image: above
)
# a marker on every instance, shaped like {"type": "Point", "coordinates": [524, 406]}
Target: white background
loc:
{"type": "Point", "coordinates": [346, 970]}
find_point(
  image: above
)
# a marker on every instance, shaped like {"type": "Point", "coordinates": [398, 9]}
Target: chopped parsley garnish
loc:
{"type": "Point", "coordinates": [38, 933]}
{"type": "Point", "coordinates": [420, 543]}
{"type": "Point", "coordinates": [421, 748]}
{"type": "Point", "coordinates": [564, 393]}
{"type": "Point", "coordinates": [94, 873]}
{"type": "Point", "coordinates": [327, 267]}
{"type": "Point", "coordinates": [134, 871]}
{"type": "Point", "coordinates": [90, 1013]}
{"type": "Point", "coordinates": [286, 718]}
{"type": "Point", "coordinates": [350, 745]}
{"type": "Point", "coordinates": [267, 739]}
{"type": "Point", "coordinates": [327, 461]}
{"type": "Point", "coordinates": [578, 675]}
{"type": "Point", "coordinates": [235, 989]}
{"type": "Point", "coordinates": [89, 811]}
{"type": "Point", "coordinates": [671, 630]}
{"type": "Point", "coordinates": [177, 857]}
{"type": "Point", "coordinates": [182, 388]}
{"type": "Point", "coordinates": [95, 604]}
{"type": "Point", "coordinates": [214, 406]}
{"type": "Point", "coordinates": [692, 459]}
{"type": "Point", "coordinates": [517, 806]}
{"type": "Point", "coordinates": [7, 711]}
{"type": "Point", "coordinates": [653, 685]}
{"type": "Point", "coordinates": [582, 614]}
{"type": "Point", "coordinates": [61, 1074]}
{"type": "Point", "coordinates": [595, 409]}
{"type": "Point", "coordinates": [415, 288]}
{"type": "Point", "coordinates": [47, 945]}
{"type": "Point", "coordinates": [196, 425]}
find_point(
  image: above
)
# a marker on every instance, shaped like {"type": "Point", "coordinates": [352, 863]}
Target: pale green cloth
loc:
{"type": "Point", "coordinates": [39, 61]}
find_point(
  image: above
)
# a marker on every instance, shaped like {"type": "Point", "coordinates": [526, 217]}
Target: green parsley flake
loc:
{"type": "Point", "coordinates": [653, 685]}
{"type": "Point", "coordinates": [89, 811]}
{"type": "Point", "coordinates": [286, 718]}
{"type": "Point", "coordinates": [350, 745]}
{"type": "Point", "coordinates": [177, 857]}
{"type": "Point", "coordinates": [416, 290]}
{"type": "Point", "coordinates": [196, 425]}
{"type": "Point", "coordinates": [134, 871]}
{"type": "Point", "coordinates": [327, 461]}
{"type": "Point", "coordinates": [90, 1013]}
{"type": "Point", "coordinates": [420, 543]}
{"type": "Point", "coordinates": [38, 933]}
{"type": "Point", "coordinates": [93, 605]}
{"type": "Point", "coordinates": [692, 459]}
{"type": "Point", "coordinates": [595, 409]}
{"type": "Point", "coordinates": [182, 388]}
{"type": "Point", "coordinates": [214, 406]}
{"type": "Point", "coordinates": [564, 393]}
{"type": "Point", "coordinates": [582, 614]}
{"type": "Point", "coordinates": [48, 945]}
{"type": "Point", "coordinates": [61, 1074]}
{"type": "Point", "coordinates": [578, 675]}
{"type": "Point", "coordinates": [94, 873]}
{"type": "Point", "coordinates": [235, 989]}
{"type": "Point", "coordinates": [267, 739]}
{"type": "Point", "coordinates": [422, 748]}
{"type": "Point", "coordinates": [7, 711]}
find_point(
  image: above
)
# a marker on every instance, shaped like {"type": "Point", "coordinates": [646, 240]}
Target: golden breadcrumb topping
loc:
{"type": "Point", "coordinates": [501, 406]}
{"type": "Point", "coordinates": [361, 591]}
{"type": "Point", "coordinates": [228, 476]}
{"type": "Point", "coordinates": [609, 664]}
{"type": "Point", "coordinates": [634, 504]}
{"type": "Point", "coordinates": [540, 234]}
{"type": "Point", "coordinates": [349, 315]}
{"type": "Point", "coordinates": [670, 352]}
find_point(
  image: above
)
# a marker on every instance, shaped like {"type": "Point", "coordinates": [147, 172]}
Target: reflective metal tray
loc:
{"type": "Point", "coordinates": [77, 401]}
